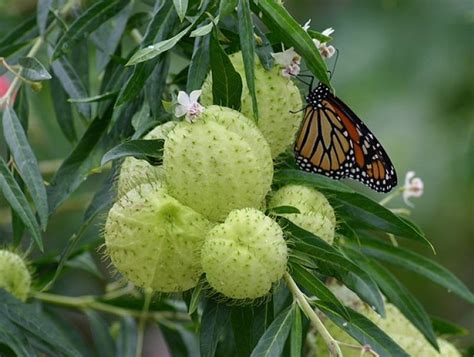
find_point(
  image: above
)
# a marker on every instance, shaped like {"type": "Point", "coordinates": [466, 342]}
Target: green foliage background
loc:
{"type": "Point", "coordinates": [405, 67]}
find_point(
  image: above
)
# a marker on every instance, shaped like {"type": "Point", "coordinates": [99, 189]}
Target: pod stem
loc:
{"type": "Point", "coordinates": [304, 305]}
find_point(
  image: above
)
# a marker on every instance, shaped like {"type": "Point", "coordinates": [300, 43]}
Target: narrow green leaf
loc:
{"type": "Point", "coordinates": [352, 206]}
{"type": "Point", "coordinates": [21, 107]}
{"type": "Point", "coordinates": [446, 328]}
{"type": "Point", "coordinates": [150, 52]}
{"type": "Point", "coordinates": [279, 20]}
{"type": "Point", "coordinates": [418, 264]}
{"type": "Point", "coordinates": [96, 98]}
{"type": "Point", "coordinates": [88, 22]}
{"type": "Point", "coordinates": [199, 65]}
{"type": "Point", "coordinates": [86, 263]}
{"type": "Point", "coordinates": [13, 49]}
{"type": "Point", "coordinates": [363, 330]}
{"type": "Point", "coordinates": [72, 84]}
{"type": "Point", "coordinates": [226, 81]}
{"type": "Point", "coordinates": [317, 288]}
{"type": "Point", "coordinates": [42, 11]}
{"type": "Point", "coordinates": [158, 29]}
{"type": "Point", "coordinates": [156, 85]}
{"type": "Point", "coordinates": [18, 202]}
{"type": "Point", "coordinates": [296, 336]}
{"type": "Point", "coordinates": [263, 49]}
{"type": "Point", "coordinates": [273, 340]}
{"type": "Point", "coordinates": [77, 166]}
{"type": "Point", "coordinates": [150, 150]}
{"type": "Point", "coordinates": [294, 176]}
{"type": "Point", "coordinates": [18, 228]}
{"type": "Point", "coordinates": [103, 198]}
{"type": "Point", "coordinates": [103, 342]}
{"type": "Point", "coordinates": [214, 319]}
{"type": "Point", "coordinates": [65, 254]}
{"type": "Point", "coordinates": [26, 30]}
{"type": "Point", "coordinates": [247, 45]}
{"type": "Point", "coordinates": [63, 110]}
{"type": "Point", "coordinates": [242, 319]}
{"type": "Point", "coordinates": [126, 343]}
{"type": "Point", "coordinates": [180, 341]}
{"type": "Point", "coordinates": [29, 321]}
{"type": "Point", "coordinates": [204, 30]}
{"type": "Point", "coordinates": [331, 262]}
{"type": "Point", "coordinates": [398, 295]}
{"type": "Point", "coordinates": [226, 7]}
{"type": "Point", "coordinates": [284, 210]}
{"type": "Point", "coordinates": [26, 163]}
{"type": "Point", "coordinates": [107, 38]}
{"type": "Point", "coordinates": [181, 7]}
{"type": "Point", "coordinates": [196, 296]}
{"type": "Point", "coordinates": [33, 70]}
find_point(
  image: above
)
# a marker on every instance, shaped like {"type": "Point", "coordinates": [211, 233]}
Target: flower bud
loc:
{"type": "Point", "coordinates": [316, 214]}
{"type": "Point", "coordinates": [243, 256]}
{"type": "Point", "coordinates": [155, 241]}
{"type": "Point", "coordinates": [276, 96]}
{"type": "Point", "coordinates": [218, 163]}
{"type": "Point", "coordinates": [14, 275]}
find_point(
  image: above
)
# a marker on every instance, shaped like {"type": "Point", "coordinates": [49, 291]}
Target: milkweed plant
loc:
{"type": "Point", "coordinates": [187, 112]}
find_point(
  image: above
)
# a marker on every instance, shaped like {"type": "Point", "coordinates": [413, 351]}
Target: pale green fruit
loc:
{"type": "Point", "coordinates": [243, 256]}
{"type": "Point", "coordinates": [154, 240]}
{"type": "Point", "coordinates": [134, 172]}
{"type": "Point", "coordinates": [218, 163]}
{"type": "Point", "coordinates": [276, 97]}
{"type": "Point", "coordinates": [14, 275]}
{"type": "Point", "coordinates": [316, 214]}
{"type": "Point", "coordinates": [395, 324]}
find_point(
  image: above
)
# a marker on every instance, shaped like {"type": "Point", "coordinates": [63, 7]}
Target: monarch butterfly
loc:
{"type": "Point", "coordinates": [334, 142]}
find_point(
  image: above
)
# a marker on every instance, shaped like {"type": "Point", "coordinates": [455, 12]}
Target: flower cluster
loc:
{"type": "Point", "coordinates": [290, 61]}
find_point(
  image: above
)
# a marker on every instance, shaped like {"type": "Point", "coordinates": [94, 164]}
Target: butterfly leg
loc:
{"type": "Point", "coordinates": [298, 111]}
{"type": "Point", "coordinates": [310, 84]}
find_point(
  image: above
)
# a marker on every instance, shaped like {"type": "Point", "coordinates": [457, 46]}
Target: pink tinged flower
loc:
{"type": "Point", "coordinates": [325, 50]}
{"type": "Point", "coordinates": [188, 105]}
{"type": "Point", "coordinates": [289, 60]}
{"type": "Point", "coordinates": [413, 187]}
{"type": "Point", "coordinates": [4, 86]}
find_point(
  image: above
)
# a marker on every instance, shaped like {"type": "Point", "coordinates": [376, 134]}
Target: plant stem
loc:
{"type": "Point", "coordinates": [142, 322]}
{"type": "Point", "coordinates": [90, 302]}
{"type": "Point", "coordinates": [391, 196]}
{"type": "Point", "coordinates": [302, 301]}
{"type": "Point", "coordinates": [7, 97]}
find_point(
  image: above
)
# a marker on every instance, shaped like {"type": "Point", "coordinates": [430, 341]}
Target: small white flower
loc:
{"type": "Point", "coordinates": [306, 26]}
{"type": "Point", "coordinates": [413, 187]}
{"type": "Point", "coordinates": [290, 60]}
{"type": "Point", "coordinates": [325, 50]}
{"type": "Point", "coordinates": [188, 105]}
{"type": "Point", "coordinates": [328, 32]}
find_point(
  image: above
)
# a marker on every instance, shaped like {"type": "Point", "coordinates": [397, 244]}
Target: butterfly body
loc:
{"type": "Point", "coordinates": [334, 142]}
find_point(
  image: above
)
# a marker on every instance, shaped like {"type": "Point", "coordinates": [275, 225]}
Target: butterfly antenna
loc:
{"type": "Point", "coordinates": [331, 73]}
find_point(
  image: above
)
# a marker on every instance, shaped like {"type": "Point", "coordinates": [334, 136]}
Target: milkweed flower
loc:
{"type": "Point", "coordinates": [325, 50]}
{"type": "Point", "coordinates": [306, 26]}
{"type": "Point", "coordinates": [290, 60]}
{"type": "Point", "coordinates": [188, 105]}
{"type": "Point", "coordinates": [413, 187]}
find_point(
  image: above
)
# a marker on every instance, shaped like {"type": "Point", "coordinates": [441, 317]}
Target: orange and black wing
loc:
{"type": "Point", "coordinates": [334, 142]}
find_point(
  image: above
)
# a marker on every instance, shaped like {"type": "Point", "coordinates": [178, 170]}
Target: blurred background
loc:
{"type": "Point", "coordinates": [407, 69]}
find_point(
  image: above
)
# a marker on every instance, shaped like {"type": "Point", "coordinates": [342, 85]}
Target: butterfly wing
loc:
{"type": "Point", "coordinates": [333, 141]}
